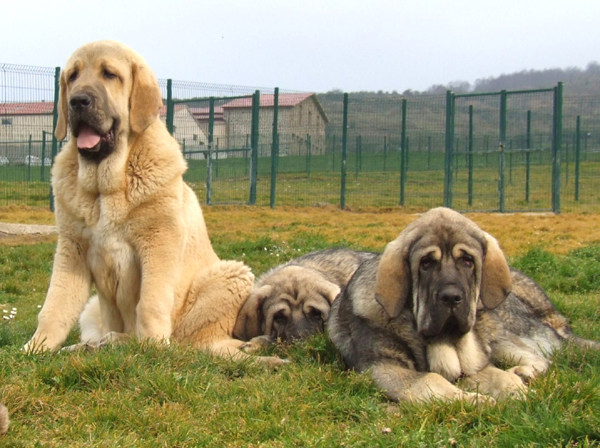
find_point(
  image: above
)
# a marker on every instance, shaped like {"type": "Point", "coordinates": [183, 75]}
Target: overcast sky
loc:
{"type": "Point", "coordinates": [313, 45]}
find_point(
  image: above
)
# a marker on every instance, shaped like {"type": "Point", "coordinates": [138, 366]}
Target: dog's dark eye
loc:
{"type": "Point", "coordinates": [108, 74]}
{"type": "Point", "coordinates": [426, 263]}
{"type": "Point", "coordinates": [280, 318]}
{"type": "Point", "coordinates": [468, 261]}
{"type": "Point", "coordinates": [315, 314]}
{"type": "Point", "coordinates": [73, 76]}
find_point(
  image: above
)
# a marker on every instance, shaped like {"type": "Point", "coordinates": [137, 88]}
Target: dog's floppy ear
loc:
{"type": "Point", "coordinates": [146, 98]}
{"type": "Point", "coordinates": [496, 280]}
{"type": "Point", "coordinates": [328, 290]}
{"type": "Point", "coordinates": [250, 317]}
{"type": "Point", "coordinates": [61, 125]}
{"type": "Point", "coordinates": [393, 282]}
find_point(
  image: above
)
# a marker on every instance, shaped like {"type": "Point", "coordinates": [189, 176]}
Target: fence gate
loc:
{"type": "Point", "coordinates": [219, 140]}
{"type": "Point", "coordinates": [503, 151]}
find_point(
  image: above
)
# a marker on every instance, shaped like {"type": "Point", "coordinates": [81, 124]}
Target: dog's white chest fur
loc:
{"type": "Point", "coordinates": [115, 269]}
{"type": "Point", "coordinates": [453, 359]}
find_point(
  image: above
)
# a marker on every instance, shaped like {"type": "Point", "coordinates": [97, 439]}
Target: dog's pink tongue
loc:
{"type": "Point", "coordinates": [87, 138]}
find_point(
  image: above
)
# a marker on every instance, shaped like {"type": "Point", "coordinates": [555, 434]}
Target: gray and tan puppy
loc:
{"type": "Point", "coordinates": [441, 304]}
{"type": "Point", "coordinates": [292, 300]}
{"type": "Point", "coordinates": [4, 420]}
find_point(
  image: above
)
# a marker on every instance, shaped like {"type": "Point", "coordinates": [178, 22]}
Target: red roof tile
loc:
{"type": "Point", "coordinates": [268, 100]}
{"type": "Point", "coordinates": [38, 108]}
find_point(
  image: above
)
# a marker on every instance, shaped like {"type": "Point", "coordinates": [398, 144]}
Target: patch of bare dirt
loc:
{"type": "Point", "coordinates": [516, 232]}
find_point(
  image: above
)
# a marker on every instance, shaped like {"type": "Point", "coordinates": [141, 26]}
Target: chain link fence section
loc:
{"type": "Point", "coordinates": [502, 151]}
{"type": "Point", "coordinates": [26, 123]}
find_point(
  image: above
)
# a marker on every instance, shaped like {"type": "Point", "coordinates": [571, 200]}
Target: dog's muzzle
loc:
{"type": "Point", "coordinates": [92, 142]}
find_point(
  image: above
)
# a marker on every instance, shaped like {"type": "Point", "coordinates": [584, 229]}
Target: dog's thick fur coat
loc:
{"type": "Point", "coordinates": [437, 307]}
{"type": "Point", "coordinates": [292, 300]}
{"type": "Point", "coordinates": [127, 223]}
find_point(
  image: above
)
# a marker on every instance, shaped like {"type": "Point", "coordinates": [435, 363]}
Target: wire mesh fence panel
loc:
{"type": "Point", "coordinates": [580, 170]}
{"type": "Point", "coordinates": [310, 152]}
{"type": "Point", "coordinates": [528, 152]}
{"type": "Point", "coordinates": [26, 114]}
{"type": "Point", "coordinates": [425, 149]}
{"type": "Point", "coordinates": [503, 148]}
{"type": "Point", "coordinates": [503, 154]}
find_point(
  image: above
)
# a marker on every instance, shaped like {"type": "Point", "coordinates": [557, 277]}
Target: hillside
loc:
{"type": "Point", "coordinates": [577, 82]}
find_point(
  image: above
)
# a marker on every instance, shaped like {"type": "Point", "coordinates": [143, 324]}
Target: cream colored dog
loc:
{"type": "Point", "coordinates": [127, 222]}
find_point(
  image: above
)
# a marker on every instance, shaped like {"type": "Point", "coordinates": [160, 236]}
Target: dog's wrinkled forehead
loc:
{"type": "Point", "coordinates": [91, 58]}
{"type": "Point", "coordinates": [443, 232]}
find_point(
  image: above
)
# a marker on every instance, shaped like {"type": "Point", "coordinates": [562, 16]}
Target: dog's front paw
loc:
{"type": "Point", "coordinates": [34, 346]}
{"type": "Point", "coordinates": [477, 398]}
{"type": "Point", "coordinates": [257, 343]}
{"type": "Point", "coordinates": [82, 346]}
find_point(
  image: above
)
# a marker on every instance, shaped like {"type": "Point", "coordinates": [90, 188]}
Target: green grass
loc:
{"type": "Point", "coordinates": [141, 395]}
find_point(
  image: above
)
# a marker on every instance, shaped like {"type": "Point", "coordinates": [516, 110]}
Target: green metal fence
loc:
{"type": "Point", "coordinates": [502, 151]}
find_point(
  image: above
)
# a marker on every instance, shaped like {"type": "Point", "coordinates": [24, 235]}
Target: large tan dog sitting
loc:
{"type": "Point", "coordinates": [127, 222]}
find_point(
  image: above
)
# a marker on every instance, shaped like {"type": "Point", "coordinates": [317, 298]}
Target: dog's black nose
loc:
{"type": "Point", "coordinates": [80, 101]}
{"type": "Point", "coordinates": [451, 297]}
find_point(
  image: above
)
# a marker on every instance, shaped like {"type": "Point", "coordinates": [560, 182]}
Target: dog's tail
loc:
{"type": "Point", "coordinates": [4, 420]}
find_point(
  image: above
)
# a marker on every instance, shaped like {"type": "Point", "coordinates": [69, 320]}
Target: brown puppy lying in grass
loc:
{"type": "Point", "coordinates": [292, 300]}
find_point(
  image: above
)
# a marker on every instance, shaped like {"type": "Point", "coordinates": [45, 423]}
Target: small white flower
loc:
{"type": "Point", "coordinates": [14, 309]}
{"type": "Point", "coordinates": [5, 317]}
{"type": "Point", "coordinates": [39, 306]}
{"type": "Point", "coordinates": [5, 311]}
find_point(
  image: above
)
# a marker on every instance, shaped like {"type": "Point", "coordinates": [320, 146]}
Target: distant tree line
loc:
{"type": "Point", "coordinates": [577, 82]}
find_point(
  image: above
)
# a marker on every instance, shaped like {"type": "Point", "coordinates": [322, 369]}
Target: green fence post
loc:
{"type": "Point", "coordinates": [403, 153]}
{"type": "Point", "coordinates": [510, 161]}
{"type": "Point", "coordinates": [385, 153]}
{"type": "Point", "coordinates": [456, 152]}
{"type": "Point", "coordinates": [216, 146]}
{"type": "Point", "coordinates": [501, 146]}
{"type": "Point", "coordinates": [470, 181]}
{"type": "Point", "coordinates": [429, 152]}
{"type": "Point", "coordinates": [357, 157]}
{"type": "Point", "coordinates": [449, 150]}
{"type": "Point", "coordinates": [407, 156]}
{"type": "Point", "coordinates": [308, 154]}
{"type": "Point", "coordinates": [246, 154]}
{"type": "Point", "coordinates": [254, 146]}
{"type": "Point", "coordinates": [360, 168]}
{"type": "Point", "coordinates": [211, 124]}
{"type": "Point", "coordinates": [170, 107]}
{"type": "Point", "coordinates": [29, 159]}
{"type": "Point", "coordinates": [577, 155]}
{"type": "Point", "coordinates": [54, 123]}
{"type": "Point", "coordinates": [274, 147]}
{"type": "Point", "coordinates": [344, 152]}
{"type": "Point", "coordinates": [556, 147]}
{"type": "Point", "coordinates": [333, 153]}
{"type": "Point", "coordinates": [42, 174]}
{"type": "Point", "coordinates": [527, 156]}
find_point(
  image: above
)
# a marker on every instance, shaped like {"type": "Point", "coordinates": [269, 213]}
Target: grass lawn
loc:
{"type": "Point", "coordinates": [140, 395]}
